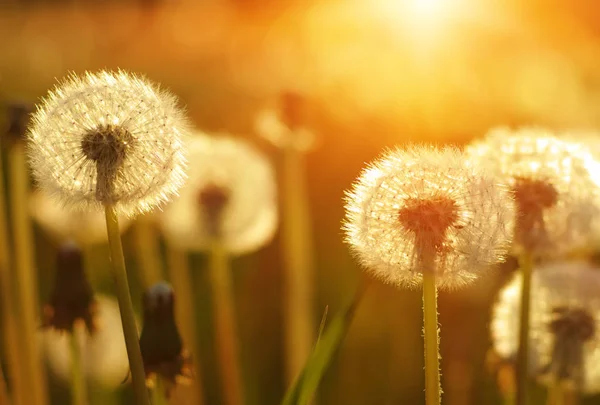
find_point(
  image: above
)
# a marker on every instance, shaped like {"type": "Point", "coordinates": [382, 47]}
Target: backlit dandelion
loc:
{"type": "Point", "coordinates": [564, 324]}
{"type": "Point", "coordinates": [422, 217]}
{"type": "Point", "coordinates": [231, 194]}
{"type": "Point", "coordinates": [557, 200]}
{"type": "Point", "coordinates": [108, 139]}
{"type": "Point", "coordinates": [419, 203]}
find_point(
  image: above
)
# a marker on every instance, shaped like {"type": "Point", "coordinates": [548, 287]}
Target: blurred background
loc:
{"type": "Point", "coordinates": [375, 74]}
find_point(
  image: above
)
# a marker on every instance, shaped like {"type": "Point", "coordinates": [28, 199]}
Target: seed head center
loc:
{"type": "Point", "coordinates": [107, 145]}
{"type": "Point", "coordinates": [213, 199]}
{"type": "Point", "coordinates": [429, 219]}
{"type": "Point", "coordinates": [533, 196]}
{"type": "Point", "coordinates": [571, 323]}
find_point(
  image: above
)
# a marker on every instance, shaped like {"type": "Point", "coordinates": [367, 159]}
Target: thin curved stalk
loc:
{"type": "Point", "coordinates": [179, 275]}
{"type": "Point", "coordinates": [130, 331]}
{"type": "Point", "coordinates": [299, 265]}
{"type": "Point", "coordinates": [158, 392]}
{"type": "Point", "coordinates": [147, 251]}
{"type": "Point", "coordinates": [526, 266]}
{"type": "Point", "coordinates": [25, 276]}
{"type": "Point", "coordinates": [13, 346]}
{"type": "Point", "coordinates": [78, 380]}
{"type": "Point", "coordinates": [226, 336]}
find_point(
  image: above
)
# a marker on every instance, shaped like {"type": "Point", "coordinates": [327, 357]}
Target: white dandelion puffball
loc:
{"type": "Point", "coordinates": [231, 187]}
{"type": "Point", "coordinates": [558, 202]}
{"type": "Point", "coordinates": [108, 138]}
{"type": "Point", "coordinates": [63, 224]}
{"type": "Point", "coordinates": [271, 127]}
{"type": "Point", "coordinates": [564, 334]}
{"type": "Point", "coordinates": [104, 354]}
{"type": "Point", "coordinates": [427, 202]}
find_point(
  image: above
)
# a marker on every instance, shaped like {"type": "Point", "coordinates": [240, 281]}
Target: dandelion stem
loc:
{"type": "Point", "coordinates": [13, 345]}
{"type": "Point", "coordinates": [4, 398]}
{"type": "Point", "coordinates": [158, 392]}
{"type": "Point", "coordinates": [432, 341]}
{"type": "Point", "coordinates": [26, 282]}
{"type": "Point", "coordinates": [147, 251]}
{"type": "Point", "coordinates": [78, 380]}
{"type": "Point", "coordinates": [179, 275]}
{"type": "Point", "coordinates": [556, 394]}
{"type": "Point", "coordinates": [225, 325]}
{"type": "Point", "coordinates": [298, 259]}
{"type": "Point", "coordinates": [525, 263]}
{"type": "Point", "coordinates": [126, 307]}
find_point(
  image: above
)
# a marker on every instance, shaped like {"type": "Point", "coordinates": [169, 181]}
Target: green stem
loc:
{"type": "Point", "coordinates": [179, 275]}
{"type": "Point", "coordinates": [432, 341]}
{"type": "Point", "coordinates": [556, 394]}
{"type": "Point", "coordinates": [299, 267]}
{"type": "Point", "coordinates": [147, 251]}
{"type": "Point", "coordinates": [225, 326]}
{"type": "Point", "coordinates": [158, 392]}
{"type": "Point", "coordinates": [13, 347]}
{"type": "Point", "coordinates": [130, 331]}
{"type": "Point", "coordinates": [25, 276]}
{"type": "Point", "coordinates": [78, 380]}
{"type": "Point", "coordinates": [526, 265]}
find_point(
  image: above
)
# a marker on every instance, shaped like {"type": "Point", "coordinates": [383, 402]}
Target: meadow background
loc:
{"type": "Point", "coordinates": [376, 74]}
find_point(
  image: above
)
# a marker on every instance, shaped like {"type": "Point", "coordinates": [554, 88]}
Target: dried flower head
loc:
{"type": "Point", "coordinates": [62, 224]}
{"type": "Point", "coordinates": [564, 323]}
{"type": "Point", "coordinates": [423, 209]}
{"type": "Point", "coordinates": [231, 195]}
{"type": "Point", "coordinates": [72, 299]}
{"type": "Point", "coordinates": [108, 138]}
{"type": "Point", "coordinates": [160, 341]}
{"type": "Point", "coordinates": [557, 200]}
{"type": "Point", "coordinates": [104, 354]}
{"type": "Point", "coordinates": [285, 128]}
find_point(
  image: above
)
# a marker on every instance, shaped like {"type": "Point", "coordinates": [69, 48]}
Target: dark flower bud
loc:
{"type": "Point", "coordinates": [72, 298]}
{"type": "Point", "coordinates": [17, 119]}
{"type": "Point", "coordinates": [160, 342]}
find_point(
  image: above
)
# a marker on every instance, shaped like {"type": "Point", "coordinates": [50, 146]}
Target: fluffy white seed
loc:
{"type": "Point", "coordinates": [477, 235]}
{"type": "Point", "coordinates": [245, 177]}
{"type": "Point", "coordinates": [108, 138]}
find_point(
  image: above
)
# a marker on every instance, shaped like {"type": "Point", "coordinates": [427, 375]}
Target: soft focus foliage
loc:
{"type": "Point", "coordinates": [148, 170]}
{"type": "Point", "coordinates": [249, 217]}
{"type": "Point", "coordinates": [480, 236]}
{"type": "Point", "coordinates": [571, 285]}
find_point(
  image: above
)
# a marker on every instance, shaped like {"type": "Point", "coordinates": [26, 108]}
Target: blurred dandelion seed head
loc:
{"type": "Point", "coordinates": [411, 202]}
{"type": "Point", "coordinates": [104, 354]}
{"type": "Point", "coordinates": [108, 138]}
{"type": "Point", "coordinates": [565, 318]}
{"type": "Point", "coordinates": [61, 223]}
{"type": "Point", "coordinates": [231, 192]}
{"type": "Point", "coordinates": [557, 199]}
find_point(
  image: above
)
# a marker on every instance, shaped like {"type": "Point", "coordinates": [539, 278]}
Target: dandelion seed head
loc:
{"type": "Point", "coordinates": [103, 354]}
{"type": "Point", "coordinates": [427, 202]}
{"type": "Point", "coordinates": [557, 200]}
{"type": "Point", "coordinates": [231, 194]}
{"type": "Point", "coordinates": [564, 320]}
{"type": "Point", "coordinates": [108, 138]}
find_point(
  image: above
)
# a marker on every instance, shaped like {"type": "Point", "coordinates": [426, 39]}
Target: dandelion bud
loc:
{"type": "Point", "coordinates": [421, 210]}
{"type": "Point", "coordinates": [61, 223]}
{"type": "Point", "coordinates": [160, 341]}
{"type": "Point", "coordinates": [564, 324]}
{"type": "Point", "coordinates": [72, 298]}
{"type": "Point", "coordinates": [284, 128]}
{"type": "Point", "coordinates": [104, 355]}
{"type": "Point", "coordinates": [108, 139]}
{"type": "Point", "coordinates": [556, 198]}
{"type": "Point", "coordinates": [230, 195]}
